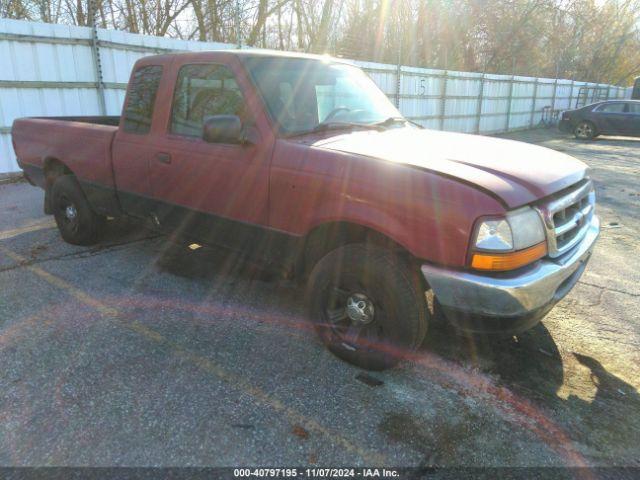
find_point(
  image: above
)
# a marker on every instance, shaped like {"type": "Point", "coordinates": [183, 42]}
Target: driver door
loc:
{"type": "Point", "coordinates": [217, 192]}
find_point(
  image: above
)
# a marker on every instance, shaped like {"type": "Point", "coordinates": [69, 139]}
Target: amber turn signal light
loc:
{"type": "Point", "coordinates": [500, 262]}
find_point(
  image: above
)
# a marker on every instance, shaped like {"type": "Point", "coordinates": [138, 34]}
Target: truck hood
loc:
{"type": "Point", "coordinates": [516, 172]}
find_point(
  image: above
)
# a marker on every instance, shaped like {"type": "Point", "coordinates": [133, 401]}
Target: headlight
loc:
{"type": "Point", "coordinates": [510, 242]}
{"type": "Point", "coordinates": [520, 229]}
{"type": "Point", "coordinates": [527, 228]}
{"type": "Point", "coordinates": [494, 235]}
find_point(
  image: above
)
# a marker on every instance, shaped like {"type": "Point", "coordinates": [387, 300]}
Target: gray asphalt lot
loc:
{"type": "Point", "coordinates": [140, 352]}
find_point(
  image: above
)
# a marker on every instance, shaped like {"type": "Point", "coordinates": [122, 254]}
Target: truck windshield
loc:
{"type": "Point", "coordinates": [301, 94]}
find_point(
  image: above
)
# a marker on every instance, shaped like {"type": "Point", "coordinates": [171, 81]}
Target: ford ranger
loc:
{"type": "Point", "coordinates": [303, 160]}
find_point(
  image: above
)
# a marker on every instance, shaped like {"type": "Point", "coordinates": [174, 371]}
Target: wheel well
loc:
{"type": "Point", "coordinates": [329, 236]}
{"type": "Point", "coordinates": [53, 168]}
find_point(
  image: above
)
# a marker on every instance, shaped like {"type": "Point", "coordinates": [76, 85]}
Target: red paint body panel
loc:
{"type": "Point", "coordinates": [230, 181]}
{"type": "Point", "coordinates": [83, 147]}
{"type": "Point", "coordinates": [518, 173]}
{"type": "Point", "coordinates": [133, 154]}
{"type": "Point", "coordinates": [429, 215]}
{"type": "Point", "coordinates": [423, 189]}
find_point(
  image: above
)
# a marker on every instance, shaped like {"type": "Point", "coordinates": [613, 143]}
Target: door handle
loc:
{"type": "Point", "coordinates": [163, 157]}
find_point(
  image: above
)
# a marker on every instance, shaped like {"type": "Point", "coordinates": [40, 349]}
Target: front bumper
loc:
{"type": "Point", "coordinates": [511, 301]}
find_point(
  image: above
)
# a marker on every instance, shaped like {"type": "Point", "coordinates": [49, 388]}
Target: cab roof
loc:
{"type": "Point", "coordinates": [242, 54]}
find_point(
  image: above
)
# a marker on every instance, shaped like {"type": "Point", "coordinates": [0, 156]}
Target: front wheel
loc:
{"type": "Point", "coordinates": [585, 131]}
{"type": "Point", "coordinates": [368, 305]}
{"type": "Point", "coordinates": [76, 220]}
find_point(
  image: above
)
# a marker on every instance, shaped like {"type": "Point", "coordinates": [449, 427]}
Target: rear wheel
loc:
{"type": "Point", "coordinates": [585, 131]}
{"type": "Point", "coordinates": [367, 305]}
{"type": "Point", "coordinates": [77, 222]}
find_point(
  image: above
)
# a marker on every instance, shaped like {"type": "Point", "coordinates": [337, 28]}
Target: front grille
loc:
{"type": "Point", "coordinates": [567, 216]}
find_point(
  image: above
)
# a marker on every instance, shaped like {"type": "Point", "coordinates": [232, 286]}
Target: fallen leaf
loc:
{"type": "Point", "coordinates": [298, 431]}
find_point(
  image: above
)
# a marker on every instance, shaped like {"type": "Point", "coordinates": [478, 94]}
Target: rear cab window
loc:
{"type": "Point", "coordinates": [143, 89]}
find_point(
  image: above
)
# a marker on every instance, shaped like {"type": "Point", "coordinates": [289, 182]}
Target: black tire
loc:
{"type": "Point", "coordinates": [585, 130]}
{"type": "Point", "coordinates": [76, 220]}
{"type": "Point", "coordinates": [378, 282]}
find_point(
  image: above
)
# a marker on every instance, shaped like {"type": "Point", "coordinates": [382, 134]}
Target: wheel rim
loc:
{"type": "Point", "coordinates": [584, 130]}
{"type": "Point", "coordinates": [68, 213]}
{"type": "Point", "coordinates": [352, 317]}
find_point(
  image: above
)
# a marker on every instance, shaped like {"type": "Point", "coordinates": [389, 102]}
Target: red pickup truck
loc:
{"type": "Point", "coordinates": [302, 159]}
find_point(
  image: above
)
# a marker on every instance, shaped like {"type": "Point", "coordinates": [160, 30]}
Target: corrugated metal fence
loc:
{"type": "Point", "coordinates": [54, 70]}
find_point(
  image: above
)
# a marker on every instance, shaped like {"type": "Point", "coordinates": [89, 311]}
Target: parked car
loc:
{"type": "Point", "coordinates": [613, 117]}
{"type": "Point", "coordinates": [304, 160]}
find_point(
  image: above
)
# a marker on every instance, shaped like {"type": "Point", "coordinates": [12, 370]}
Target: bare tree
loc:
{"type": "Point", "coordinates": [594, 41]}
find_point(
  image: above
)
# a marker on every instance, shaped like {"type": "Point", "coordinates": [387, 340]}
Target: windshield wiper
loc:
{"type": "Point", "coordinates": [323, 127]}
{"type": "Point", "coordinates": [326, 126]}
{"type": "Point", "coordinates": [393, 120]}
{"type": "Point", "coordinates": [389, 121]}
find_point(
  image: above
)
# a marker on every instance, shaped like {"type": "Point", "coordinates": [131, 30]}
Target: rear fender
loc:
{"type": "Point", "coordinates": [52, 168]}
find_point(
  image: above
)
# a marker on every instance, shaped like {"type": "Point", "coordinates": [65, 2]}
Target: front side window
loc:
{"type": "Point", "coordinates": [612, 108]}
{"type": "Point", "coordinates": [143, 89]}
{"type": "Point", "coordinates": [302, 93]}
{"type": "Point", "coordinates": [202, 91]}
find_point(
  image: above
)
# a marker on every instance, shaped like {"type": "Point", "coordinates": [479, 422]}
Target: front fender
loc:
{"type": "Point", "coordinates": [368, 216]}
{"type": "Point", "coordinates": [429, 215]}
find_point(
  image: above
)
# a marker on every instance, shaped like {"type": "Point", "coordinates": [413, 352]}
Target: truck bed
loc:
{"type": "Point", "coordinates": [81, 143]}
{"type": "Point", "coordinates": [113, 120]}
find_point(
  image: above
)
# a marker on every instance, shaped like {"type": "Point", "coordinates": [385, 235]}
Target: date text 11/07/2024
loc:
{"type": "Point", "coordinates": [316, 472]}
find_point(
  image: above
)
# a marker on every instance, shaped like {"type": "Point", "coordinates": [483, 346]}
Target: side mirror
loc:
{"type": "Point", "coordinates": [222, 129]}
